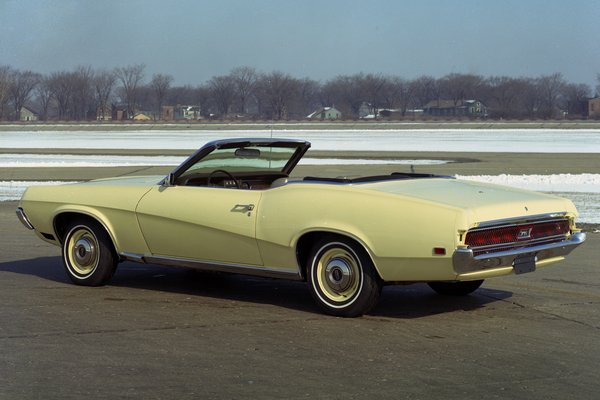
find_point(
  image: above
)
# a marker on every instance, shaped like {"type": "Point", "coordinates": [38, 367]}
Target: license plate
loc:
{"type": "Point", "coordinates": [524, 263]}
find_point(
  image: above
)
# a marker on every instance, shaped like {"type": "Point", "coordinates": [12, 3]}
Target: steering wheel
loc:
{"type": "Point", "coordinates": [216, 171]}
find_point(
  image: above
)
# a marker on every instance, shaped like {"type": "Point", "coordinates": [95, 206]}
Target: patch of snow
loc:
{"type": "Point", "coordinates": [447, 140]}
{"type": "Point", "coordinates": [97, 161]}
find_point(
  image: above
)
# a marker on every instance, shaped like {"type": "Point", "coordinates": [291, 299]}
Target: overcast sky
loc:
{"type": "Point", "coordinates": [194, 40]}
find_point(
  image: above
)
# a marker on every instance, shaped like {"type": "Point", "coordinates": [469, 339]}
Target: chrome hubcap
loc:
{"type": "Point", "coordinates": [338, 274]}
{"type": "Point", "coordinates": [84, 252]}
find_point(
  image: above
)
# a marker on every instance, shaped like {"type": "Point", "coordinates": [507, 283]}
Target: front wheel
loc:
{"type": "Point", "coordinates": [88, 254]}
{"type": "Point", "coordinates": [342, 278]}
{"type": "Point", "coordinates": [455, 288]}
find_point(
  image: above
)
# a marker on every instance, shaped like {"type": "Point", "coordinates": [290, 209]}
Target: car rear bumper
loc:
{"type": "Point", "coordinates": [465, 261]}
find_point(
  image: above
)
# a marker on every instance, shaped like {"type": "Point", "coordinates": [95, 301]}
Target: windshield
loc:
{"type": "Point", "coordinates": [247, 159]}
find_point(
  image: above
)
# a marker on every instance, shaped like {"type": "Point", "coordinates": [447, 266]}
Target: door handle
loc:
{"type": "Point", "coordinates": [248, 207]}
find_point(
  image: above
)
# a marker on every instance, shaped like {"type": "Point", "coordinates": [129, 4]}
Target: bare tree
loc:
{"type": "Point", "coordinates": [222, 90]}
{"type": "Point", "coordinates": [398, 93]}
{"type": "Point", "coordinates": [202, 98]}
{"type": "Point", "coordinates": [460, 87]}
{"type": "Point", "coordinates": [371, 88]}
{"type": "Point", "coordinates": [551, 88]}
{"type": "Point", "coordinates": [181, 95]}
{"type": "Point", "coordinates": [308, 97]}
{"type": "Point", "coordinates": [146, 99]}
{"type": "Point", "coordinates": [160, 85]}
{"type": "Point", "coordinates": [83, 92]}
{"type": "Point", "coordinates": [426, 90]}
{"type": "Point", "coordinates": [329, 94]}
{"type": "Point", "coordinates": [21, 88]}
{"type": "Point", "coordinates": [531, 97]}
{"type": "Point", "coordinates": [503, 94]}
{"type": "Point", "coordinates": [244, 81]}
{"type": "Point", "coordinates": [576, 96]}
{"type": "Point", "coordinates": [61, 85]}
{"type": "Point", "coordinates": [348, 92]}
{"type": "Point", "coordinates": [278, 91]}
{"type": "Point", "coordinates": [6, 77]}
{"type": "Point", "coordinates": [44, 97]}
{"type": "Point", "coordinates": [103, 83]}
{"type": "Point", "coordinates": [131, 78]}
{"type": "Point", "coordinates": [598, 85]}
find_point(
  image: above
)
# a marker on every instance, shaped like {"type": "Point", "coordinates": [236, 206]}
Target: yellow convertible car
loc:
{"type": "Point", "coordinates": [233, 207]}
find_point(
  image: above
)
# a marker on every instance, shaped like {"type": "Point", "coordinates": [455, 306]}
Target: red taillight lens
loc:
{"type": "Point", "coordinates": [550, 229]}
{"type": "Point", "coordinates": [511, 234]}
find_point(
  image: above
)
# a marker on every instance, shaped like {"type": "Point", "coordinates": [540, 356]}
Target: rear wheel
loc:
{"type": "Point", "coordinates": [342, 278]}
{"type": "Point", "coordinates": [455, 288]}
{"type": "Point", "coordinates": [88, 254]}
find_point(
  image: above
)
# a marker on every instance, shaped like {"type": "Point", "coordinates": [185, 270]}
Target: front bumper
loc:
{"type": "Point", "coordinates": [465, 261]}
{"type": "Point", "coordinates": [23, 218]}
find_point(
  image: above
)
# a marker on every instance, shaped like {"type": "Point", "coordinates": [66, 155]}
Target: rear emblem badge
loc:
{"type": "Point", "coordinates": [524, 233]}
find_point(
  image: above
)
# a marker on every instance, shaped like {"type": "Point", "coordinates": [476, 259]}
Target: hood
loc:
{"type": "Point", "coordinates": [127, 181]}
{"type": "Point", "coordinates": [485, 201]}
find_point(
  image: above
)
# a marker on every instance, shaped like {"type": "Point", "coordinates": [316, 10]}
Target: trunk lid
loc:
{"type": "Point", "coordinates": [484, 201]}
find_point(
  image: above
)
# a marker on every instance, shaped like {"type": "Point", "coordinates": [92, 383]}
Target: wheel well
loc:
{"type": "Point", "coordinates": [61, 222]}
{"type": "Point", "coordinates": [308, 240]}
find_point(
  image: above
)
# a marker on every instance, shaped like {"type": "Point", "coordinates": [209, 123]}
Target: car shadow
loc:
{"type": "Point", "coordinates": [397, 301]}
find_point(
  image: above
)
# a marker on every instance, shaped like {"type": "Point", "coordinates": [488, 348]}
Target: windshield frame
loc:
{"type": "Point", "coordinates": [300, 146]}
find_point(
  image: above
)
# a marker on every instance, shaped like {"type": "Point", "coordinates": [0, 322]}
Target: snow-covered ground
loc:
{"type": "Point", "coordinates": [451, 140]}
{"type": "Point", "coordinates": [572, 183]}
{"type": "Point", "coordinates": [79, 161]}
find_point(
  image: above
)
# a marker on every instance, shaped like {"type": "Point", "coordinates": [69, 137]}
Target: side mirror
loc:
{"type": "Point", "coordinates": [169, 180]}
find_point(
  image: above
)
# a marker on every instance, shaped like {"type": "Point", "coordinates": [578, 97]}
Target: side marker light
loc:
{"type": "Point", "coordinates": [439, 251]}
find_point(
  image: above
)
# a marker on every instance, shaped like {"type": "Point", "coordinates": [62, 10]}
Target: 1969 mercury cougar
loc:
{"type": "Point", "coordinates": [233, 207]}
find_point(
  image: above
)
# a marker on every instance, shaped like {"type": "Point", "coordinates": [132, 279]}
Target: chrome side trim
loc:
{"type": "Point", "coordinates": [213, 266]}
{"type": "Point", "coordinates": [23, 218]}
{"type": "Point", "coordinates": [539, 218]}
{"type": "Point", "coordinates": [135, 257]}
{"type": "Point", "coordinates": [465, 261]}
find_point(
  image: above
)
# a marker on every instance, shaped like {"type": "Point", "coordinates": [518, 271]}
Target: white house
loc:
{"type": "Point", "coordinates": [325, 113]}
{"type": "Point", "coordinates": [28, 115]}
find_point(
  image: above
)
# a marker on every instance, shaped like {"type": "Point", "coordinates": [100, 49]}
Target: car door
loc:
{"type": "Point", "coordinates": [201, 223]}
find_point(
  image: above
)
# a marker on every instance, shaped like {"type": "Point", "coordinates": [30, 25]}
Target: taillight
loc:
{"type": "Point", "coordinates": [550, 229]}
{"type": "Point", "coordinates": [516, 233]}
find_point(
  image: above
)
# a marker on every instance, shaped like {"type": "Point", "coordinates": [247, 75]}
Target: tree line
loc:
{"type": "Point", "coordinates": [244, 92]}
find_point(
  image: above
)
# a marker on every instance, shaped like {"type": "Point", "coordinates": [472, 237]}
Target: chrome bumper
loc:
{"type": "Point", "coordinates": [464, 261]}
{"type": "Point", "coordinates": [23, 218]}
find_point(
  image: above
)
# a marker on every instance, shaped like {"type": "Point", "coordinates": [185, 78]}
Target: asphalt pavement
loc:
{"type": "Point", "coordinates": [170, 333]}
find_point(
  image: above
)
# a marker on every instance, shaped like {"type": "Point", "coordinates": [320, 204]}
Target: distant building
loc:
{"type": "Point", "coordinates": [187, 112]}
{"type": "Point", "coordinates": [462, 108]}
{"type": "Point", "coordinates": [168, 113]}
{"type": "Point", "coordinates": [104, 113]}
{"type": "Point", "coordinates": [28, 115]}
{"type": "Point", "coordinates": [142, 116]}
{"type": "Point", "coordinates": [180, 112]}
{"type": "Point", "coordinates": [594, 107]}
{"type": "Point", "coordinates": [325, 113]}
{"type": "Point", "coordinates": [119, 112]}
{"type": "Point", "coordinates": [365, 111]}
